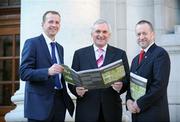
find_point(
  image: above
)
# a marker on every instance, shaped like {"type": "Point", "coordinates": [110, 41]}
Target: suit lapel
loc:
{"type": "Point", "coordinates": [135, 64]}
{"type": "Point", "coordinates": [109, 55]}
{"type": "Point", "coordinates": [147, 57]}
{"type": "Point", "coordinates": [45, 49]}
{"type": "Point", "coordinates": [91, 57]}
{"type": "Point", "coordinates": [60, 53]}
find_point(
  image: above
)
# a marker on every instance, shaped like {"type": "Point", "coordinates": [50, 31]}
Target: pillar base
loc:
{"type": "Point", "coordinates": [17, 115]}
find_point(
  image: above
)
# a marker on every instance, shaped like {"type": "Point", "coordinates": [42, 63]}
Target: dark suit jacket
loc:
{"type": "Point", "coordinates": [156, 68]}
{"type": "Point", "coordinates": [88, 106]}
{"type": "Point", "coordinates": [39, 88]}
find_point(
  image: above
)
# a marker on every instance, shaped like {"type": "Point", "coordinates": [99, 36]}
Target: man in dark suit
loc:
{"type": "Point", "coordinates": [46, 97]}
{"type": "Point", "coordinates": [155, 67]}
{"type": "Point", "coordinates": [99, 105]}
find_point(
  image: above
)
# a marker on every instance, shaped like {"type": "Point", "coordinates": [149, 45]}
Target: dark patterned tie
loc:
{"type": "Point", "coordinates": [141, 56]}
{"type": "Point", "coordinates": [54, 60]}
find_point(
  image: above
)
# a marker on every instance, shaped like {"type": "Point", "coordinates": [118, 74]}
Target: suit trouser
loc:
{"type": "Point", "coordinates": [58, 111]}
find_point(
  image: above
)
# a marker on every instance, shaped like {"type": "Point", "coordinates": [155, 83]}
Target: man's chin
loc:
{"type": "Point", "coordinates": [101, 45]}
{"type": "Point", "coordinates": [53, 34]}
{"type": "Point", "coordinates": [142, 45]}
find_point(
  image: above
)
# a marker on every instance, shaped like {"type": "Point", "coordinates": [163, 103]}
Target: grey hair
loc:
{"type": "Point", "coordinates": [100, 21]}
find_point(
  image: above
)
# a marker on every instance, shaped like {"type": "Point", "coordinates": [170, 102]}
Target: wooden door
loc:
{"type": "Point", "coordinates": [9, 57]}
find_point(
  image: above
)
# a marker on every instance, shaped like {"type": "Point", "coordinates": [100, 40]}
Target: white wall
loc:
{"type": "Point", "coordinates": [77, 18]}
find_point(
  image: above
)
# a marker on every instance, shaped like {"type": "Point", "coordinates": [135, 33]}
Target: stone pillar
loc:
{"type": "Point", "coordinates": [171, 43]}
{"type": "Point", "coordinates": [167, 36]}
{"type": "Point", "coordinates": [77, 18]}
{"type": "Point", "coordinates": [165, 10]}
{"type": "Point", "coordinates": [136, 10]}
{"type": "Point", "coordinates": [159, 25]}
{"type": "Point", "coordinates": [18, 113]}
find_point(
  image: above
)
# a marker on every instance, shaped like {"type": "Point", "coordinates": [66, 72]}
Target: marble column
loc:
{"type": "Point", "coordinates": [77, 18]}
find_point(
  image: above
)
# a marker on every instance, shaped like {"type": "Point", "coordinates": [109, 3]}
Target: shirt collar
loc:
{"type": "Point", "coordinates": [147, 48]}
{"type": "Point", "coordinates": [48, 40]}
{"type": "Point", "coordinates": [96, 48]}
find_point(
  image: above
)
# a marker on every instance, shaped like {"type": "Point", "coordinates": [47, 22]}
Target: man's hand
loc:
{"type": "Point", "coordinates": [135, 105]}
{"type": "Point", "coordinates": [130, 106]}
{"type": "Point", "coordinates": [117, 86]}
{"type": "Point", "coordinates": [81, 91]}
{"type": "Point", "coordinates": [55, 69]}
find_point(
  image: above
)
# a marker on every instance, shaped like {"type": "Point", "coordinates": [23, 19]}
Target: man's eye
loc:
{"type": "Point", "coordinates": [98, 31]}
{"type": "Point", "coordinates": [104, 32]}
{"type": "Point", "coordinates": [144, 33]}
{"type": "Point", "coordinates": [139, 34]}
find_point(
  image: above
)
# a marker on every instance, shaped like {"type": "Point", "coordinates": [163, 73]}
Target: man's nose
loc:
{"type": "Point", "coordinates": [54, 24]}
{"type": "Point", "coordinates": [101, 33]}
{"type": "Point", "coordinates": [141, 36]}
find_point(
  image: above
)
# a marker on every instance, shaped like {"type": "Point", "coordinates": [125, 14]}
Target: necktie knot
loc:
{"type": "Point", "coordinates": [100, 50]}
{"type": "Point", "coordinates": [141, 56]}
{"type": "Point", "coordinates": [53, 44]}
{"type": "Point", "coordinates": [142, 52]}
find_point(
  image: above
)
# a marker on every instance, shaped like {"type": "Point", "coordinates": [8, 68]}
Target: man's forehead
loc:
{"type": "Point", "coordinates": [101, 26]}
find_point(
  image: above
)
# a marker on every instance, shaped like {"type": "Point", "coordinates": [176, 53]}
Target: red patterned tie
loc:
{"type": "Point", "coordinates": [141, 56]}
{"type": "Point", "coordinates": [100, 58]}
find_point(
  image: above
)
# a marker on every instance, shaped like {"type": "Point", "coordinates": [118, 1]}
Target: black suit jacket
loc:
{"type": "Point", "coordinates": [39, 88]}
{"type": "Point", "coordinates": [88, 106]}
{"type": "Point", "coordinates": [156, 68]}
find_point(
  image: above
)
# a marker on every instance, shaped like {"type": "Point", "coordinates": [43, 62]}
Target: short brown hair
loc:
{"type": "Point", "coordinates": [146, 22]}
{"type": "Point", "coordinates": [52, 12]}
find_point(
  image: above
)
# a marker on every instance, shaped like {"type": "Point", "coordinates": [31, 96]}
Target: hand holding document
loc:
{"type": "Point", "coordinates": [81, 91]}
{"type": "Point", "coordinates": [117, 86]}
{"type": "Point", "coordinates": [95, 78]}
{"type": "Point", "coordinates": [55, 69]}
{"type": "Point", "coordinates": [137, 86]}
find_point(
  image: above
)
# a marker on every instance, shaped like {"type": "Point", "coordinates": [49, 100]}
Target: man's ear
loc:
{"type": "Point", "coordinates": [42, 23]}
{"type": "Point", "coordinates": [153, 36]}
